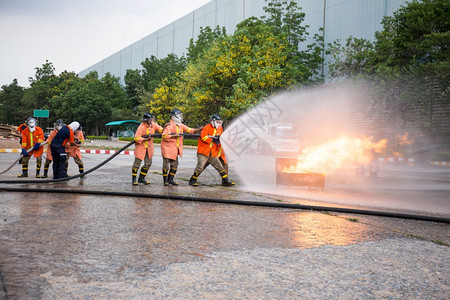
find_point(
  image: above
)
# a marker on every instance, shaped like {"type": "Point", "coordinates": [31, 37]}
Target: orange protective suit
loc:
{"type": "Point", "coordinates": [206, 145]}
{"type": "Point", "coordinates": [49, 141]}
{"type": "Point", "coordinates": [142, 146]}
{"type": "Point", "coordinates": [31, 138]}
{"type": "Point", "coordinates": [74, 151]}
{"type": "Point", "coordinates": [172, 147]}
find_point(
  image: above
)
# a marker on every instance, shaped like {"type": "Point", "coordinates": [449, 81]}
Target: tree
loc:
{"type": "Point", "coordinates": [42, 88]}
{"type": "Point", "coordinates": [205, 39]}
{"type": "Point", "coordinates": [285, 18]}
{"type": "Point", "coordinates": [233, 73]}
{"type": "Point", "coordinates": [91, 101]}
{"type": "Point", "coordinates": [134, 87]}
{"type": "Point", "coordinates": [355, 58]}
{"type": "Point", "coordinates": [155, 70]}
{"type": "Point", "coordinates": [410, 61]}
{"type": "Point", "coordinates": [229, 73]}
{"type": "Point", "coordinates": [10, 112]}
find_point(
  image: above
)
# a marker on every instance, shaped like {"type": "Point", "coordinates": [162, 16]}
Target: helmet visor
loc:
{"type": "Point", "coordinates": [179, 116]}
{"type": "Point", "coordinates": [216, 123]}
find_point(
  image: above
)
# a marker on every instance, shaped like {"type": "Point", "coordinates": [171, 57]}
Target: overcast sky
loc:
{"type": "Point", "coordinates": [75, 34]}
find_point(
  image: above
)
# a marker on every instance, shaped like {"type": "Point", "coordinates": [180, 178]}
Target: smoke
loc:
{"type": "Point", "coordinates": [295, 124]}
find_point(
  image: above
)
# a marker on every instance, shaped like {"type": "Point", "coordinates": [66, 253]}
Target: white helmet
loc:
{"type": "Point", "coordinates": [74, 125]}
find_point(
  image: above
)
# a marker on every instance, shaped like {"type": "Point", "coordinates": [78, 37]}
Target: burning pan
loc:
{"type": "Point", "coordinates": [296, 179]}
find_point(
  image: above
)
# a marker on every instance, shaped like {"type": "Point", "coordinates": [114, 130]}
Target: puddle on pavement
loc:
{"type": "Point", "coordinates": [115, 238]}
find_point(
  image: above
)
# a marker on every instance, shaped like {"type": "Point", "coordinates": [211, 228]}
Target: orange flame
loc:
{"type": "Point", "coordinates": [336, 154]}
{"type": "Point", "coordinates": [405, 139]}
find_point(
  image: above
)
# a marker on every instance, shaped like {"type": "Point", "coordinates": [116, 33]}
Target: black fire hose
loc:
{"type": "Point", "coordinates": [208, 200]}
{"type": "Point", "coordinates": [236, 202]}
{"type": "Point", "coordinates": [71, 177]}
{"type": "Point", "coordinates": [158, 135]}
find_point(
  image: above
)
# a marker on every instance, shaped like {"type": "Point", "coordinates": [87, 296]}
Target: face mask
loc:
{"type": "Point", "coordinates": [58, 127]}
{"type": "Point", "coordinates": [216, 123]}
{"type": "Point", "coordinates": [177, 119]}
{"type": "Point", "coordinates": [31, 124]}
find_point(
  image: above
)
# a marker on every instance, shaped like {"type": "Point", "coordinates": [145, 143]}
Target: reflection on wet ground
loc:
{"type": "Point", "coordinates": [100, 238]}
{"type": "Point", "coordinates": [114, 238]}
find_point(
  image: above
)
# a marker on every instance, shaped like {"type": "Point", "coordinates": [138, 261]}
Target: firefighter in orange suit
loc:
{"type": "Point", "coordinates": [144, 148]}
{"type": "Point", "coordinates": [32, 137]}
{"type": "Point", "coordinates": [48, 158]}
{"type": "Point", "coordinates": [21, 128]}
{"type": "Point", "coordinates": [222, 159]}
{"type": "Point", "coordinates": [209, 151]}
{"type": "Point", "coordinates": [172, 145]}
{"type": "Point", "coordinates": [74, 151]}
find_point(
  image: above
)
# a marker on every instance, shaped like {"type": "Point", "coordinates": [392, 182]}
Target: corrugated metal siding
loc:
{"type": "Point", "coordinates": [343, 18]}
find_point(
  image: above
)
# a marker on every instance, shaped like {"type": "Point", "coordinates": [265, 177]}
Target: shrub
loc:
{"type": "Point", "coordinates": [93, 137]}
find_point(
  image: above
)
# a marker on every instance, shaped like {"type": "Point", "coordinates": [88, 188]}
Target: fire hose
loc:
{"type": "Point", "coordinates": [75, 176]}
{"type": "Point", "coordinates": [20, 157]}
{"type": "Point", "coordinates": [158, 135]}
{"type": "Point", "coordinates": [206, 200]}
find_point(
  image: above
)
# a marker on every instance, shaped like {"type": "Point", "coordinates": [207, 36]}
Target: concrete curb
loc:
{"type": "Point", "coordinates": [396, 159]}
{"type": "Point", "coordinates": [87, 151]}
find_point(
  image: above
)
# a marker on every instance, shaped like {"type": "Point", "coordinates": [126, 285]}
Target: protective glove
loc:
{"type": "Point", "coordinates": [24, 152]}
{"type": "Point", "coordinates": [36, 146]}
{"type": "Point", "coordinates": [216, 139]}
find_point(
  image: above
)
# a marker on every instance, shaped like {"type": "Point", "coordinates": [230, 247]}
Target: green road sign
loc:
{"type": "Point", "coordinates": [40, 113]}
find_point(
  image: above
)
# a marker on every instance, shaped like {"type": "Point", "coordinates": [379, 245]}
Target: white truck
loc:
{"type": "Point", "coordinates": [280, 139]}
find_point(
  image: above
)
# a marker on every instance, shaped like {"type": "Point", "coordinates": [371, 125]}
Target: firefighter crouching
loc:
{"type": "Point", "coordinates": [172, 145]}
{"type": "Point", "coordinates": [74, 151]}
{"type": "Point", "coordinates": [209, 151]}
{"type": "Point", "coordinates": [58, 148]}
{"type": "Point", "coordinates": [144, 148]}
{"type": "Point", "coordinates": [32, 137]}
{"type": "Point", "coordinates": [48, 159]}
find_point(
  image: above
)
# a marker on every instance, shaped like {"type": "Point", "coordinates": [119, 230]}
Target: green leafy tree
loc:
{"type": "Point", "coordinates": [205, 39]}
{"type": "Point", "coordinates": [10, 109]}
{"type": "Point", "coordinates": [229, 73]}
{"type": "Point", "coordinates": [355, 58]}
{"type": "Point", "coordinates": [42, 88]}
{"type": "Point", "coordinates": [91, 101]}
{"type": "Point", "coordinates": [410, 62]}
{"type": "Point", "coordinates": [286, 20]}
{"type": "Point", "coordinates": [155, 70]}
{"type": "Point", "coordinates": [134, 88]}
{"type": "Point", "coordinates": [233, 73]}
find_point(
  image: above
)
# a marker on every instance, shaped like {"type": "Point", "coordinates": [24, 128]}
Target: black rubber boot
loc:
{"type": "Point", "coordinates": [24, 171]}
{"type": "Point", "coordinates": [165, 177]}
{"type": "Point", "coordinates": [225, 180]}
{"type": "Point", "coordinates": [171, 176]}
{"type": "Point", "coordinates": [46, 167]}
{"type": "Point", "coordinates": [38, 170]}
{"type": "Point", "coordinates": [133, 176]}
{"type": "Point", "coordinates": [81, 169]}
{"type": "Point", "coordinates": [142, 176]}
{"type": "Point", "coordinates": [193, 179]}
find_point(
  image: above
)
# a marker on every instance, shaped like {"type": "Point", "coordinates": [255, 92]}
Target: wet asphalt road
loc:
{"type": "Point", "coordinates": [84, 239]}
